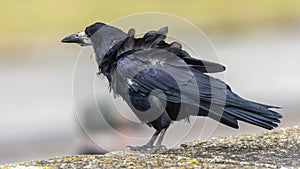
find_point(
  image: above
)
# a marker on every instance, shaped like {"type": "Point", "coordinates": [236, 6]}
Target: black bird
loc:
{"type": "Point", "coordinates": [162, 83]}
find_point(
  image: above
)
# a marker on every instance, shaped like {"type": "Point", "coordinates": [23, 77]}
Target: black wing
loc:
{"type": "Point", "coordinates": [149, 70]}
{"type": "Point", "coordinates": [149, 64]}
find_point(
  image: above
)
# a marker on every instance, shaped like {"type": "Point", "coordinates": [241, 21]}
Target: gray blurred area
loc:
{"type": "Point", "coordinates": [39, 119]}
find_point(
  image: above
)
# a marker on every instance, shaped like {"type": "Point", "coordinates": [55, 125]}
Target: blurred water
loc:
{"type": "Point", "coordinates": [37, 113]}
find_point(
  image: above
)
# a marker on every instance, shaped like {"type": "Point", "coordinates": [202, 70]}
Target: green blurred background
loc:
{"type": "Point", "coordinates": [23, 19]}
{"type": "Point", "coordinates": [257, 40]}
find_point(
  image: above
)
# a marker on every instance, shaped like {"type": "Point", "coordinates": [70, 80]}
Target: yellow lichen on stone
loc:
{"type": "Point", "coordinates": [192, 160]}
{"type": "Point", "coordinates": [45, 167]}
{"type": "Point", "coordinates": [68, 158]}
{"type": "Point", "coordinates": [273, 149]}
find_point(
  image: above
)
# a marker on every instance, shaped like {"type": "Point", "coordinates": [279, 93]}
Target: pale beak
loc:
{"type": "Point", "coordinates": [79, 38]}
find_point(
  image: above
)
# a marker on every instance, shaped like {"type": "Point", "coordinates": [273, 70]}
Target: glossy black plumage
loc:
{"type": "Point", "coordinates": [162, 83]}
{"type": "Point", "coordinates": [136, 52]}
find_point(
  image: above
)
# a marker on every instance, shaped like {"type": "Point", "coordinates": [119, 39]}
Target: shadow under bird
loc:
{"type": "Point", "coordinates": [162, 83]}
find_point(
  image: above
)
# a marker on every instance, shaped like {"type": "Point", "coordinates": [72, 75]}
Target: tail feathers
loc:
{"type": "Point", "coordinates": [261, 109]}
{"type": "Point", "coordinates": [228, 120]}
{"type": "Point", "coordinates": [235, 102]}
{"type": "Point", "coordinates": [266, 120]}
{"type": "Point", "coordinates": [220, 116]}
{"type": "Point", "coordinates": [275, 114]}
{"type": "Point", "coordinates": [237, 108]}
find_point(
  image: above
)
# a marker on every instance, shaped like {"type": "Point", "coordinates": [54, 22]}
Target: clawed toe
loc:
{"type": "Point", "coordinates": [160, 149]}
{"type": "Point", "coordinates": [143, 148]}
{"type": "Point", "coordinates": [149, 149]}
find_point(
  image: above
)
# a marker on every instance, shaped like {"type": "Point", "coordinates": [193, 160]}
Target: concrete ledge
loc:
{"type": "Point", "coordinates": [272, 149]}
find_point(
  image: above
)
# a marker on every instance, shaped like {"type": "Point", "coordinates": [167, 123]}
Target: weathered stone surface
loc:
{"type": "Point", "coordinates": [272, 149]}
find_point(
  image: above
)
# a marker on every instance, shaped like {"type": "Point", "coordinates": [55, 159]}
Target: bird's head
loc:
{"type": "Point", "coordinates": [98, 35]}
{"type": "Point", "coordinates": [84, 38]}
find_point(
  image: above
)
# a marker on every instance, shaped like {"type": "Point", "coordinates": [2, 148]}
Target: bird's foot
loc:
{"type": "Point", "coordinates": [158, 149]}
{"type": "Point", "coordinates": [149, 149]}
{"type": "Point", "coordinates": [143, 148]}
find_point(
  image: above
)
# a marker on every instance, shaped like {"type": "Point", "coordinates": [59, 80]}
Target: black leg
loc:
{"type": "Point", "coordinates": [153, 138]}
{"type": "Point", "coordinates": [158, 146]}
{"type": "Point", "coordinates": [146, 147]}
